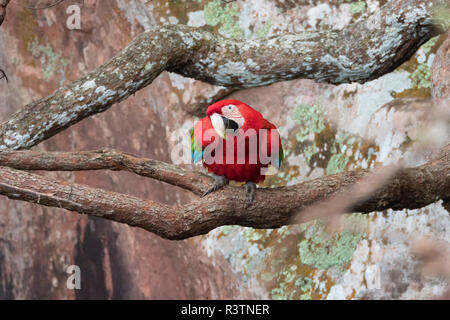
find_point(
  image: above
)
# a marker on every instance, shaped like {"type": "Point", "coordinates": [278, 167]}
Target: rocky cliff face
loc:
{"type": "Point", "coordinates": [325, 129]}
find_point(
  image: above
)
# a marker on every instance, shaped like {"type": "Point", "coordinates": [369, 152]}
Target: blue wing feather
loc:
{"type": "Point", "coordinates": [196, 149]}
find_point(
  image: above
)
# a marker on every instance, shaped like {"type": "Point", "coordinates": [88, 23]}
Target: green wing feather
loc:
{"type": "Point", "coordinates": [196, 149]}
{"type": "Point", "coordinates": [280, 156]}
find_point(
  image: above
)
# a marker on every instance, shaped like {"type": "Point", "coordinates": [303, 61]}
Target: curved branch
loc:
{"type": "Point", "coordinates": [407, 189]}
{"type": "Point", "coordinates": [195, 182]}
{"type": "Point", "coordinates": [385, 40]}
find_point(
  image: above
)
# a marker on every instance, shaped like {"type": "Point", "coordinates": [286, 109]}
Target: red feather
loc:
{"type": "Point", "coordinates": [237, 167]}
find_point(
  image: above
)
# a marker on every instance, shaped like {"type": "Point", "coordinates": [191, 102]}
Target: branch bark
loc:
{"type": "Point", "coordinates": [195, 182]}
{"type": "Point", "coordinates": [384, 42]}
{"type": "Point", "coordinates": [274, 207]}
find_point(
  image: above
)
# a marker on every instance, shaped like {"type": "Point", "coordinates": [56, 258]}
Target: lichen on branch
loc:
{"type": "Point", "coordinates": [363, 51]}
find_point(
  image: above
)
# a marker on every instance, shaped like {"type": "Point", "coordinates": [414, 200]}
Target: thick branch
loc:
{"type": "Point", "coordinates": [365, 50]}
{"type": "Point", "coordinates": [408, 189]}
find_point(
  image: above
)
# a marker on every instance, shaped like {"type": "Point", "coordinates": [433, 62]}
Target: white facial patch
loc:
{"type": "Point", "coordinates": [218, 124]}
{"type": "Point", "coordinates": [231, 112]}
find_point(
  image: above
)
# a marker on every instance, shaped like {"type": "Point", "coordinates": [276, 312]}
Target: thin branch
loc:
{"type": "Point", "coordinates": [385, 40]}
{"type": "Point", "coordinates": [274, 207]}
{"type": "Point", "coordinates": [195, 182]}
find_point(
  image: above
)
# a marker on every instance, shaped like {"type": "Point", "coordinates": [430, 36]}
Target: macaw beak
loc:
{"type": "Point", "coordinates": [222, 124]}
{"type": "Point", "coordinates": [230, 124]}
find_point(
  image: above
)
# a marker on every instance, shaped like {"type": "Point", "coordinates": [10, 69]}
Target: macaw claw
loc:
{"type": "Point", "coordinates": [250, 189]}
{"type": "Point", "coordinates": [220, 182]}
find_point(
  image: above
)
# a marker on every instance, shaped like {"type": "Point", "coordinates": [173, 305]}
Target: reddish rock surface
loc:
{"type": "Point", "coordinates": [38, 243]}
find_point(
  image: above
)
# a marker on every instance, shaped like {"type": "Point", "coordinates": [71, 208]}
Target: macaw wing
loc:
{"type": "Point", "coordinates": [271, 129]}
{"type": "Point", "coordinates": [201, 138]}
{"type": "Point", "coordinates": [196, 149]}
{"type": "Point", "coordinates": [280, 156]}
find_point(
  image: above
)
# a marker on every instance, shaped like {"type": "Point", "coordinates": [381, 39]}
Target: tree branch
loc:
{"type": "Point", "coordinates": [3, 4]}
{"type": "Point", "coordinates": [274, 207]}
{"type": "Point", "coordinates": [195, 182]}
{"type": "Point", "coordinates": [384, 42]}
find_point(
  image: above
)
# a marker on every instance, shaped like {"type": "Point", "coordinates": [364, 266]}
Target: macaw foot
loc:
{"type": "Point", "coordinates": [220, 182]}
{"type": "Point", "coordinates": [250, 188]}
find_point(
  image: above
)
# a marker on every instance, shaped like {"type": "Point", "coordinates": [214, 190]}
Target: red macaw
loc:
{"type": "Point", "coordinates": [235, 142]}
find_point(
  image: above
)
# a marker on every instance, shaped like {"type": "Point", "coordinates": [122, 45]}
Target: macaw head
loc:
{"type": "Point", "coordinates": [232, 115]}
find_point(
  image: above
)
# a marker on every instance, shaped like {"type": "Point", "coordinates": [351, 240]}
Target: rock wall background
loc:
{"type": "Point", "coordinates": [325, 129]}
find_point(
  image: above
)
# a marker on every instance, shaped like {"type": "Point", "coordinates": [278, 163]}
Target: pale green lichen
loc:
{"type": "Point", "coordinates": [323, 251]}
{"type": "Point", "coordinates": [310, 151]}
{"type": "Point", "coordinates": [284, 289]}
{"type": "Point", "coordinates": [51, 62]}
{"type": "Point", "coordinates": [421, 77]}
{"type": "Point", "coordinates": [263, 31]}
{"type": "Point", "coordinates": [226, 229]}
{"type": "Point", "coordinates": [419, 69]}
{"type": "Point", "coordinates": [357, 7]}
{"type": "Point", "coordinates": [323, 146]}
{"type": "Point", "coordinates": [290, 284]}
{"type": "Point", "coordinates": [284, 231]}
{"type": "Point", "coordinates": [305, 285]}
{"type": "Point", "coordinates": [226, 16]}
{"type": "Point", "coordinates": [337, 163]}
{"type": "Point", "coordinates": [428, 46]}
{"type": "Point", "coordinates": [279, 293]}
{"type": "Point", "coordinates": [252, 235]}
{"type": "Point", "coordinates": [310, 119]}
